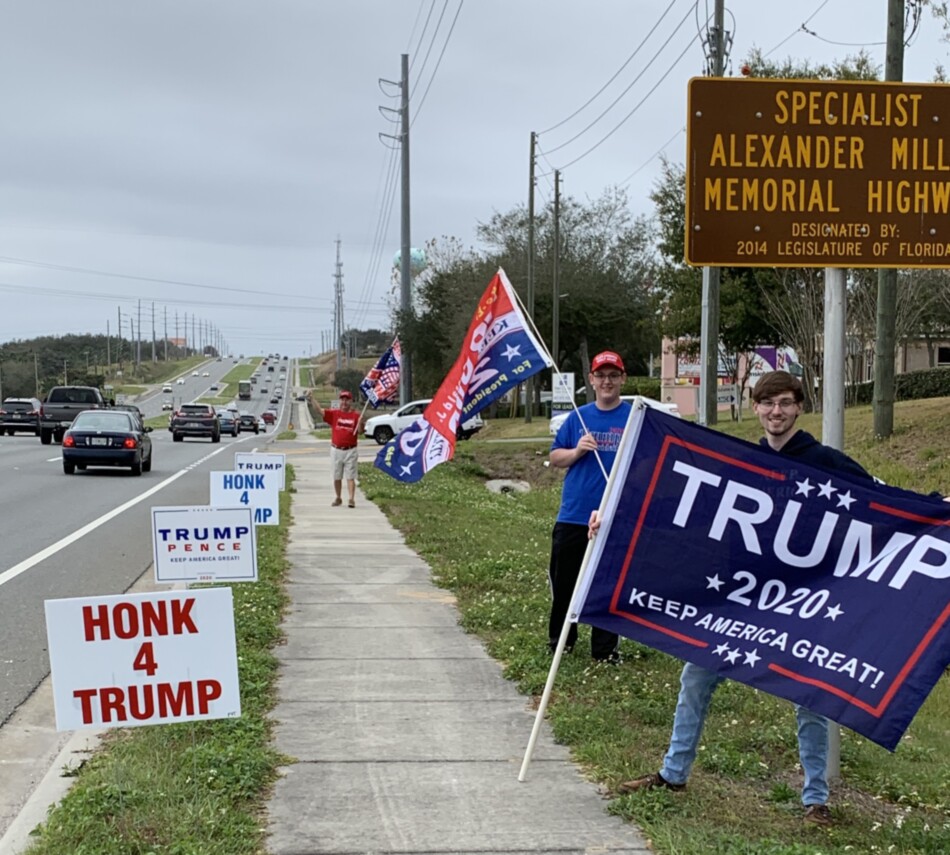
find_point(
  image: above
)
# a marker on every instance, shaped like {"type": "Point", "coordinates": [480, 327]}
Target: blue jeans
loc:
{"type": "Point", "coordinates": [696, 688]}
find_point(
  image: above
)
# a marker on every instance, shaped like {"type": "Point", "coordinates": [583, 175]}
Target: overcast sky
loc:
{"type": "Point", "coordinates": [227, 144]}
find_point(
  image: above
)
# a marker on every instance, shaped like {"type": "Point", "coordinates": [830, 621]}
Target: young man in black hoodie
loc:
{"type": "Point", "coordinates": [778, 398]}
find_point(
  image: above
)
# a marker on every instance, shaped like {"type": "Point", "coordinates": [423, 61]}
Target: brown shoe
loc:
{"type": "Point", "coordinates": [648, 782]}
{"type": "Point", "coordinates": [351, 504]}
{"type": "Point", "coordinates": [818, 814]}
{"type": "Point", "coordinates": [336, 503]}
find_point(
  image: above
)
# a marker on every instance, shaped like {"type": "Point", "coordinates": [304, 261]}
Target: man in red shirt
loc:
{"type": "Point", "coordinates": [345, 425]}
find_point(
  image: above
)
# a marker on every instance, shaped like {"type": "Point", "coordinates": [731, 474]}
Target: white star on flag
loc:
{"type": "Point", "coordinates": [834, 611]}
{"type": "Point", "coordinates": [804, 488]}
{"type": "Point", "coordinates": [722, 648]}
{"type": "Point", "coordinates": [826, 489]}
{"type": "Point", "coordinates": [846, 500]}
{"type": "Point", "coordinates": [751, 658]}
{"type": "Point", "coordinates": [714, 582]}
{"type": "Point", "coordinates": [408, 467]}
{"type": "Point", "coordinates": [732, 655]}
{"type": "Point", "coordinates": [511, 351]}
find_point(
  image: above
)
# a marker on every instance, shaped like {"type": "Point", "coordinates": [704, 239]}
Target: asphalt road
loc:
{"type": "Point", "coordinates": [90, 533]}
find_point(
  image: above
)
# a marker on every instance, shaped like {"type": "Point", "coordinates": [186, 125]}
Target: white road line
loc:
{"type": "Point", "coordinates": [54, 459]}
{"type": "Point", "coordinates": [61, 544]}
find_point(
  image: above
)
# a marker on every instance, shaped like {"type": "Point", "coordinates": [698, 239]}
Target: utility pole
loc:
{"type": "Point", "coordinates": [118, 344]}
{"type": "Point", "coordinates": [885, 344]}
{"type": "Point", "coordinates": [405, 243]}
{"type": "Point", "coordinates": [153, 332]}
{"type": "Point", "coordinates": [709, 323]}
{"type": "Point", "coordinates": [108, 349]}
{"type": "Point", "coordinates": [532, 160]}
{"type": "Point", "coordinates": [556, 286]}
{"type": "Point", "coordinates": [165, 335]}
{"type": "Point", "coordinates": [138, 340]}
{"type": "Point", "coordinates": [405, 248]}
{"type": "Point", "coordinates": [338, 307]}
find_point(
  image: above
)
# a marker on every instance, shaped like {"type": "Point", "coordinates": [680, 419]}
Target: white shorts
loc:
{"type": "Point", "coordinates": [343, 461]}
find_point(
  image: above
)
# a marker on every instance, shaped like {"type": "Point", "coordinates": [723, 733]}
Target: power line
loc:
{"type": "Point", "coordinates": [73, 269]}
{"type": "Point", "coordinates": [632, 84]}
{"type": "Point", "coordinates": [96, 295]}
{"type": "Point", "coordinates": [438, 63]}
{"type": "Point", "coordinates": [435, 33]}
{"type": "Point", "coordinates": [627, 62]}
{"type": "Point", "coordinates": [639, 104]}
{"type": "Point", "coordinates": [653, 156]}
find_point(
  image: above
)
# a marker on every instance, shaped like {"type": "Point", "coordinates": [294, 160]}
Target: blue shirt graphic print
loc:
{"type": "Point", "coordinates": [584, 483]}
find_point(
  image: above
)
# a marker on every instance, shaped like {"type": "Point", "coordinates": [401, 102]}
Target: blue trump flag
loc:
{"type": "Point", "coordinates": [499, 352]}
{"type": "Point", "coordinates": [829, 591]}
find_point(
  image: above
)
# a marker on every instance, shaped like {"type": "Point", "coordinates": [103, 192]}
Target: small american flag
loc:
{"type": "Point", "coordinates": [381, 385]}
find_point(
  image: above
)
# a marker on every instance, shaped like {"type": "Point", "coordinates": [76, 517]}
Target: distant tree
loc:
{"type": "Point", "coordinates": [745, 321]}
{"type": "Point", "coordinates": [349, 379]}
{"type": "Point", "coordinates": [606, 277]}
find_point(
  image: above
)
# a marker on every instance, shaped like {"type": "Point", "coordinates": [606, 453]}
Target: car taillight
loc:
{"type": "Point", "coordinates": [130, 442]}
{"type": "Point", "coordinates": [69, 442]}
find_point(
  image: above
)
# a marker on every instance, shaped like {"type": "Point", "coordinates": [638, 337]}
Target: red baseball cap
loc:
{"type": "Point", "coordinates": [345, 394]}
{"type": "Point", "coordinates": [608, 357]}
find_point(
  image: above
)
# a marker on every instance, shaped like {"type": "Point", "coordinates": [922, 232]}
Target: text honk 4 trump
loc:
{"type": "Point", "coordinates": [134, 659]}
{"type": "Point", "coordinates": [259, 491]}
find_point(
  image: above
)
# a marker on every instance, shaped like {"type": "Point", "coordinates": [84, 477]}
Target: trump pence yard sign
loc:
{"type": "Point", "coordinates": [200, 544]}
{"type": "Point", "coordinates": [135, 659]}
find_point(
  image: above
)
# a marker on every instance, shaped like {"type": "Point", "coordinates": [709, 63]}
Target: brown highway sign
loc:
{"type": "Point", "coordinates": [807, 173]}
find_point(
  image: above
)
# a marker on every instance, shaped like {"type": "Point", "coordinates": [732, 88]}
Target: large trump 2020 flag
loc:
{"type": "Point", "coordinates": [499, 352]}
{"type": "Point", "coordinates": [829, 591]}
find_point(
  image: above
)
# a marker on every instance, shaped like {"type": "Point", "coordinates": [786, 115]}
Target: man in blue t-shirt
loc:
{"type": "Point", "coordinates": [586, 446]}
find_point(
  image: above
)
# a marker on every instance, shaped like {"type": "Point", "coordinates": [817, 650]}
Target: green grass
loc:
{"type": "Point", "coordinates": [202, 787]}
{"type": "Point", "coordinates": [287, 434]}
{"type": "Point", "coordinates": [196, 787]}
{"type": "Point", "coordinates": [492, 552]}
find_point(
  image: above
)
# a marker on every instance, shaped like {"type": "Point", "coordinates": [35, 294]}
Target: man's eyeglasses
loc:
{"type": "Point", "coordinates": [784, 404]}
{"type": "Point", "coordinates": [614, 376]}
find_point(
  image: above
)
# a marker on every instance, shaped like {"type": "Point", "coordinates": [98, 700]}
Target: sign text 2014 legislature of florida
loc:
{"type": "Point", "coordinates": [806, 173]}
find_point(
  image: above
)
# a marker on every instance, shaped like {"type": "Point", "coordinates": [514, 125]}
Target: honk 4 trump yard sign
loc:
{"type": "Point", "coordinates": [136, 659]}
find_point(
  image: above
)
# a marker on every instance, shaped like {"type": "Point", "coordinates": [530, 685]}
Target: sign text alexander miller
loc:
{"type": "Point", "coordinates": [801, 173]}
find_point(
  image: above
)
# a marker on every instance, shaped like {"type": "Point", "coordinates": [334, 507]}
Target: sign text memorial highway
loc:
{"type": "Point", "coordinates": [806, 173]}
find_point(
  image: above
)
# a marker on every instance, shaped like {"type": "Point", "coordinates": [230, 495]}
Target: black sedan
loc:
{"type": "Point", "coordinates": [18, 414]}
{"type": "Point", "coordinates": [107, 438]}
{"type": "Point", "coordinates": [248, 421]}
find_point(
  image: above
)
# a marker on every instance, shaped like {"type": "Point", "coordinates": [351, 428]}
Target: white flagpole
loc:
{"type": "Point", "coordinates": [356, 427]}
{"type": "Point", "coordinates": [555, 664]}
{"type": "Point", "coordinates": [628, 437]}
{"type": "Point", "coordinates": [547, 353]}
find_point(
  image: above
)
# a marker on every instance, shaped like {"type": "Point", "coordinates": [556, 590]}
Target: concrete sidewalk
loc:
{"type": "Point", "coordinates": [406, 735]}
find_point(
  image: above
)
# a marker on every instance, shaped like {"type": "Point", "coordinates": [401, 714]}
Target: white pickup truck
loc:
{"type": "Point", "coordinates": [383, 428]}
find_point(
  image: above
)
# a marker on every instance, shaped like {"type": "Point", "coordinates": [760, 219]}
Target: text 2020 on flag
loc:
{"type": "Point", "coordinates": [832, 593]}
{"type": "Point", "coordinates": [499, 352]}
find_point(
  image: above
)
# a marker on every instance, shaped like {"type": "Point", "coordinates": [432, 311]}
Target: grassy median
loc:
{"type": "Point", "coordinates": [491, 551]}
